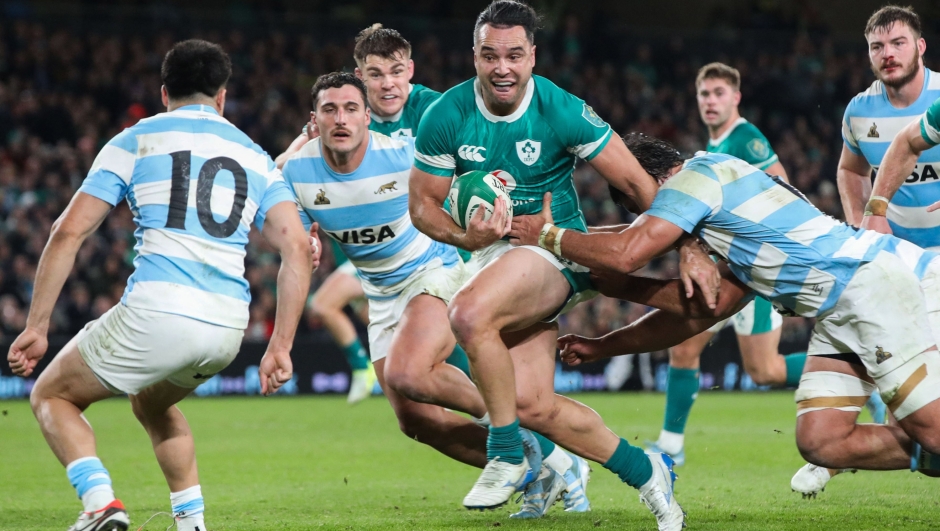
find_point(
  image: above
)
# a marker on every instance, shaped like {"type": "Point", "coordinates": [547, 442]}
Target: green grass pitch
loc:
{"type": "Point", "coordinates": [316, 463]}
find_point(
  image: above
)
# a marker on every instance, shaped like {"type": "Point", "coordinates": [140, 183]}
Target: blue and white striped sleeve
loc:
{"type": "Point", "coordinates": [848, 137]}
{"type": "Point", "coordinates": [276, 192]}
{"type": "Point", "coordinates": [110, 174]}
{"type": "Point", "coordinates": [686, 199]}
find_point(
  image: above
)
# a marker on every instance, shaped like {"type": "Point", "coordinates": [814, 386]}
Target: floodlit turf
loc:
{"type": "Point", "coordinates": [316, 463]}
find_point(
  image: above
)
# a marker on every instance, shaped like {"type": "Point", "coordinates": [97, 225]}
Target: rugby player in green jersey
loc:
{"type": "Point", "coordinates": [757, 326]}
{"type": "Point", "coordinates": [507, 119]}
{"type": "Point", "coordinates": [383, 59]}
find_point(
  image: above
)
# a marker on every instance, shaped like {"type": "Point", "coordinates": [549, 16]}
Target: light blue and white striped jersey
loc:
{"type": "Point", "coordinates": [869, 126]}
{"type": "Point", "coordinates": [194, 184]}
{"type": "Point", "coordinates": [366, 212]}
{"type": "Point", "coordinates": [774, 240]}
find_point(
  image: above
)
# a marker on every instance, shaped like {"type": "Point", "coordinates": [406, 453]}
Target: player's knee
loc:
{"type": "Point", "coordinates": [817, 448]}
{"type": "Point", "coordinates": [318, 309]}
{"type": "Point", "coordinates": [467, 317]}
{"type": "Point", "coordinates": [761, 376]}
{"type": "Point", "coordinates": [406, 381]}
{"type": "Point", "coordinates": [535, 413]}
{"type": "Point", "coordinates": [416, 426]}
{"type": "Point", "coordinates": [684, 357]}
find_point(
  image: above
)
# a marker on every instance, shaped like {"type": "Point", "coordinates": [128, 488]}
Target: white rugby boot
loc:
{"type": "Point", "coordinates": [658, 494]}
{"type": "Point", "coordinates": [111, 517]}
{"type": "Point", "coordinates": [810, 480]}
{"type": "Point", "coordinates": [361, 384]}
{"type": "Point", "coordinates": [497, 484]}
{"type": "Point", "coordinates": [541, 494]}
{"type": "Point", "coordinates": [576, 479]}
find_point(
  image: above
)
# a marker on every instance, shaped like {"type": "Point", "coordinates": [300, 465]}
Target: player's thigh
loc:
{"type": "Point", "coordinates": [515, 291]}
{"type": "Point", "coordinates": [422, 338]}
{"type": "Point", "coordinates": [686, 355]}
{"type": "Point", "coordinates": [337, 291]}
{"type": "Point", "coordinates": [829, 398]}
{"type": "Point", "coordinates": [533, 358]}
{"type": "Point", "coordinates": [69, 378]}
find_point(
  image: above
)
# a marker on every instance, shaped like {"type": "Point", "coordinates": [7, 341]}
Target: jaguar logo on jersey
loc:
{"type": "Point", "coordinates": [471, 153]}
{"type": "Point", "coordinates": [509, 182]}
{"type": "Point", "coordinates": [881, 356]}
{"type": "Point", "coordinates": [528, 151]}
{"type": "Point", "coordinates": [873, 131]}
{"type": "Point", "coordinates": [588, 114]}
{"type": "Point", "coordinates": [321, 198]}
{"type": "Point", "coordinates": [387, 187]}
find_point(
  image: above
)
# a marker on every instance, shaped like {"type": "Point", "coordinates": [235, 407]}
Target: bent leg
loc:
{"type": "Point", "coordinates": [172, 440]}
{"type": "Point", "coordinates": [830, 396]}
{"type": "Point", "coordinates": [327, 304]}
{"type": "Point", "coordinates": [416, 365]}
{"type": "Point", "coordinates": [447, 432]}
{"type": "Point", "coordinates": [762, 360]}
{"type": "Point", "coordinates": [63, 391]}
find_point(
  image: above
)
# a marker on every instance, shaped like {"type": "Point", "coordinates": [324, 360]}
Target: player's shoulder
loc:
{"type": "Point", "coordinates": [422, 97]}
{"type": "Point", "coordinates": [445, 114]}
{"type": "Point", "coordinates": [746, 131]}
{"type": "Point", "coordinates": [459, 97]}
{"type": "Point", "coordinates": [867, 100]}
{"type": "Point", "coordinates": [386, 144]}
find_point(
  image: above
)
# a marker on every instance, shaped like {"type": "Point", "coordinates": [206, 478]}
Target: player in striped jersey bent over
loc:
{"type": "Point", "coordinates": [195, 184]}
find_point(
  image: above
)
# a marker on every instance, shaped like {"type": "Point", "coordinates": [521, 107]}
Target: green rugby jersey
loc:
{"type": "Point", "coordinates": [535, 147]}
{"type": "Point", "coordinates": [405, 122]}
{"type": "Point", "coordinates": [745, 141]}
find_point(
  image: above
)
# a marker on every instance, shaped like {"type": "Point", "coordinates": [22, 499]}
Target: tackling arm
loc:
{"type": "Point", "coordinates": [854, 179]}
{"type": "Point", "coordinates": [621, 252]}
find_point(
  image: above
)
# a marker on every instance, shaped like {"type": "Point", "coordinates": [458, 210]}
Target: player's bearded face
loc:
{"type": "Point", "coordinates": [504, 59]}
{"type": "Point", "coordinates": [717, 100]}
{"type": "Point", "coordinates": [894, 54]}
{"type": "Point", "coordinates": [342, 119]}
{"type": "Point", "coordinates": [387, 82]}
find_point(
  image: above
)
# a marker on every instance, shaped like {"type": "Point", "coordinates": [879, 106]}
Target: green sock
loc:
{"type": "Point", "coordinates": [547, 446]}
{"type": "Point", "coordinates": [357, 356]}
{"type": "Point", "coordinates": [681, 391]}
{"type": "Point", "coordinates": [458, 358]}
{"type": "Point", "coordinates": [630, 464]}
{"type": "Point", "coordinates": [795, 364]}
{"type": "Point", "coordinates": [505, 443]}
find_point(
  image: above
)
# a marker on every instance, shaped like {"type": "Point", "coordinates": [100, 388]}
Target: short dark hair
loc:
{"type": "Point", "coordinates": [336, 80]}
{"type": "Point", "coordinates": [382, 42]}
{"type": "Point", "coordinates": [504, 14]}
{"type": "Point", "coordinates": [195, 67]}
{"type": "Point", "coordinates": [885, 17]}
{"type": "Point", "coordinates": [655, 156]}
{"type": "Point", "coordinates": [719, 71]}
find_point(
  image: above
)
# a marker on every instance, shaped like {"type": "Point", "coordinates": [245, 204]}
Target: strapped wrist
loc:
{"type": "Point", "coordinates": [877, 206]}
{"type": "Point", "coordinates": [550, 238]}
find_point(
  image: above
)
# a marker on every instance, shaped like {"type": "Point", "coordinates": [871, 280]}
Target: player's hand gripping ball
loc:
{"type": "Point", "coordinates": [474, 190]}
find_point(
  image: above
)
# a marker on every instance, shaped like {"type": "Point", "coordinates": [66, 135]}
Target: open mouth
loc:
{"type": "Point", "coordinates": [503, 87]}
{"type": "Point", "coordinates": [389, 97]}
{"type": "Point", "coordinates": [341, 134]}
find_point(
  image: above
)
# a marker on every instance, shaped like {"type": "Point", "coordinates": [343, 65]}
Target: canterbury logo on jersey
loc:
{"type": "Point", "coordinates": [471, 153]}
{"type": "Point", "coordinates": [364, 236]}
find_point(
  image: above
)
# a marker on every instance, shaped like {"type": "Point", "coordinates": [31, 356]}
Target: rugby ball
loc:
{"type": "Point", "coordinates": [474, 190]}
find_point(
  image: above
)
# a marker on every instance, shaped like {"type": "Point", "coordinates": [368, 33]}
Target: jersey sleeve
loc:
{"type": "Point", "coordinates": [582, 130]}
{"type": "Point", "coordinates": [752, 147]}
{"type": "Point", "coordinates": [427, 98]}
{"type": "Point", "coordinates": [287, 174]}
{"type": "Point", "coordinates": [276, 191]}
{"type": "Point", "coordinates": [686, 199]}
{"type": "Point", "coordinates": [930, 124]}
{"type": "Point", "coordinates": [848, 137]}
{"type": "Point", "coordinates": [110, 174]}
{"type": "Point", "coordinates": [434, 144]}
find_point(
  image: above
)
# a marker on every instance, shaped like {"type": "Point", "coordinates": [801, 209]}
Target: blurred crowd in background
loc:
{"type": "Point", "coordinates": [64, 93]}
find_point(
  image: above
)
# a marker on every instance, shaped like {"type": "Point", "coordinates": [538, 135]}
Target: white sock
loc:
{"type": "Point", "coordinates": [188, 507]}
{"type": "Point", "coordinates": [671, 442]}
{"type": "Point", "coordinates": [482, 421]}
{"type": "Point", "coordinates": [97, 498]}
{"type": "Point", "coordinates": [558, 460]}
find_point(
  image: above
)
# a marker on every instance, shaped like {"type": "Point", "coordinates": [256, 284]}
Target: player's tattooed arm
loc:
{"type": "Point", "coordinates": [80, 219]}
{"type": "Point", "coordinates": [426, 194]}
{"type": "Point", "coordinates": [284, 231]}
{"type": "Point", "coordinates": [854, 178]}
{"type": "Point", "coordinates": [896, 166]}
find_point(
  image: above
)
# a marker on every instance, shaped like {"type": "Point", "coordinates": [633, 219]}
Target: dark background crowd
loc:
{"type": "Point", "coordinates": [74, 75]}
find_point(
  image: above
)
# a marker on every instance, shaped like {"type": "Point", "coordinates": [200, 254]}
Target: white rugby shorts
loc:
{"type": "Point", "coordinates": [882, 316]}
{"type": "Point", "coordinates": [130, 349]}
{"type": "Point", "coordinates": [384, 314]}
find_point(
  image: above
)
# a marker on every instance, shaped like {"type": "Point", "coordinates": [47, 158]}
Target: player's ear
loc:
{"type": "Point", "coordinates": [737, 98]}
{"type": "Point", "coordinates": [164, 96]}
{"type": "Point", "coordinates": [220, 100]}
{"type": "Point", "coordinates": [921, 47]}
{"type": "Point", "coordinates": [358, 72]}
{"type": "Point", "coordinates": [532, 59]}
{"type": "Point", "coordinates": [368, 116]}
{"type": "Point", "coordinates": [411, 69]}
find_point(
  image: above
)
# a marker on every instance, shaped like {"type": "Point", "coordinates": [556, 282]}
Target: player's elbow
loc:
{"type": "Point", "coordinates": [63, 231]}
